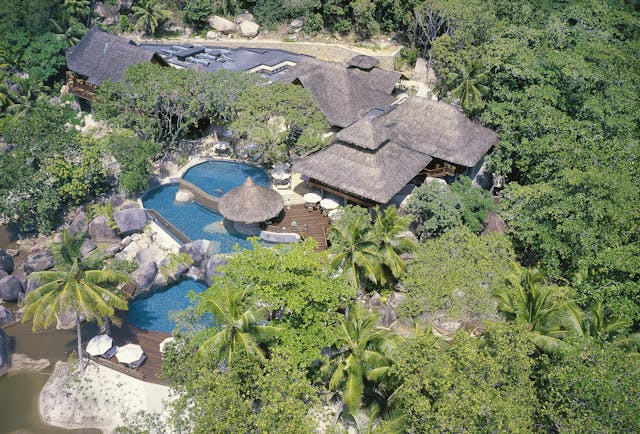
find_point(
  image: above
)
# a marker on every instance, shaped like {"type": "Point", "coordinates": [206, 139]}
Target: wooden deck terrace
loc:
{"type": "Point", "coordinates": [310, 223]}
{"type": "Point", "coordinates": [150, 343]}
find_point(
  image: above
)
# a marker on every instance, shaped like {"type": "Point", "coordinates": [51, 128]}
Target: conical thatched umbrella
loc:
{"type": "Point", "coordinates": [250, 203]}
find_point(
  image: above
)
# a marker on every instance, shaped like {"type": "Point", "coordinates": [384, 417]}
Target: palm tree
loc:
{"type": "Point", "coordinates": [542, 307]}
{"type": "Point", "coordinates": [388, 229]}
{"type": "Point", "coordinates": [29, 93]}
{"type": "Point", "coordinates": [470, 88]}
{"type": "Point", "coordinates": [364, 356]}
{"type": "Point", "coordinates": [240, 332]}
{"type": "Point", "coordinates": [77, 8]}
{"type": "Point", "coordinates": [597, 325]}
{"type": "Point", "coordinates": [71, 35]}
{"type": "Point", "coordinates": [355, 251]}
{"type": "Point", "coordinates": [76, 285]}
{"type": "Point", "coordinates": [392, 422]}
{"type": "Point", "coordinates": [150, 16]}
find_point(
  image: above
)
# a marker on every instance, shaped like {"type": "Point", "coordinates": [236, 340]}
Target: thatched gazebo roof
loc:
{"type": "Point", "coordinates": [102, 56]}
{"type": "Point", "coordinates": [250, 203]}
{"type": "Point", "coordinates": [363, 61]}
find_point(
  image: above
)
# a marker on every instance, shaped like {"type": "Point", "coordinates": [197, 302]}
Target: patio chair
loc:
{"type": "Point", "coordinates": [139, 362]}
{"type": "Point", "coordinates": [110, 352]}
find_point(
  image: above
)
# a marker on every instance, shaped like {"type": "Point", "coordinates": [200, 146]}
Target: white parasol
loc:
{"type": "Point", "coordinates": [99, 344]}
{"type": "Point", "coordinates": [129, 353]}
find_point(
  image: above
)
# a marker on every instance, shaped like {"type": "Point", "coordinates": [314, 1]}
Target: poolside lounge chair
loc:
{"type": "Point", "coordinates": [139, 362]}
{"type": "Point", "coordinates": [110, 353]}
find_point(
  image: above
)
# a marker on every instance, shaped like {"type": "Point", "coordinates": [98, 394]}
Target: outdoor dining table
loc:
{"type": "Point", "coordinates": [281, 176]}
{"type": "Point", "coordinates": [312, 199]}
{"type": "Point", "coordinates": [221, 147]}
{"type": "Point", "coordinates": [327, 204]}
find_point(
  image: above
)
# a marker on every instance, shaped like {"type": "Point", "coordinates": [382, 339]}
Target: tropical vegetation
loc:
{"type": "Point", "coordinates": [77, 285]}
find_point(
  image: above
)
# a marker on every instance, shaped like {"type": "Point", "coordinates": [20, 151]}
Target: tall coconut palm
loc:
{"type": "Point", "coordinates": [354, 250]}
{"type": "Point", "coordinates": [239, 319]}
{"type": "Point", "coordinates": [150, 16]}
{"type": "Point", "coordinates": [77, 8]}
{"type": "Point", "coordinates": [388, 231]}
{"type": "Point", "coordinates": [471, 88]}
{"type": "Point", "coordinates": [75, 285]}
{"type": "Point", "coordinates": [70, 35]}
{"type": "Point", "coordinates": [543, 307]}
{"type": "Point", "coordinates": [364, 356]}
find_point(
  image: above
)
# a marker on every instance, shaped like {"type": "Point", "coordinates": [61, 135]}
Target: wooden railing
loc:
{"type": "Point", "coordinates": [439, 172]}
{"type": "Point", "coordinates": [79, 87]}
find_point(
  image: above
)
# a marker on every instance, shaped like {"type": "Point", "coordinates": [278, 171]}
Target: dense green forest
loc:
{"type": "Point", "coordinates": [549, 312]}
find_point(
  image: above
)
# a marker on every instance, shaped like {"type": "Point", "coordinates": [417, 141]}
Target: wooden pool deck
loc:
{"type": "Point", "coordinates": [150, 343]}
{"type": "Point", "coordinates": [309, 223]}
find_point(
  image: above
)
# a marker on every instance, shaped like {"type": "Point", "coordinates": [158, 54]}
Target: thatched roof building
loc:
{"type": "Point", "coordinates": [378, 155]}
{"type": "Point", "coordinates": [250, 203]}
{"type": "Point", "coordinates": [438, 129]}
{"type": "Point", "coordinates": [344, 94]}
{"type": "Point", "coordinates": [101, 56]}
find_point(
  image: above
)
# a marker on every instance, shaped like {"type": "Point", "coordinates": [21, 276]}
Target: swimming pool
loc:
{"type": "Point", "coordinates": [194, 220]}
{"type": "Point", "coordinates": [217, 177]}
{"type": "Point", "coordinates": [152, 313]}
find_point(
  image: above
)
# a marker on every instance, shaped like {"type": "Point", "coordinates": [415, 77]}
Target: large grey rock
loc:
{"type": "Point", "coordinates": [144, 276]}
{"type": "Point", "coordinates": [150, 254]}
{"type": "Point", "coordinates": [78, 224]}
{"type": "Point", "coordinates": [297, 23]}
{"type": "Point", "coordinates": [6, 316]}
{"type": "Point", "coordinates": [197, 250]}
{"type": "Point", "coordinates": [6, 262]}
{"type": "Point", "coordinates": [212, 268]}
{"type": "Point", "coordinates": [38, 262]}
{"type": "Point", "coordinates": [10, 287]}
{"type": "Point", "coordinates": [172, 275]}
{"type": "Point", "coordinates": [5, 354]}
{"type": "Point", "coordinates": [32, 283]}
{"type": "Point", "coordinates": [388, 316]}
{"type": "Point", "coordinates": [3, 273]}
{"type": "Point", "coordinates": [131, 220]}
{"type": "Point", "coordinates": [100, 231]}
{"type": "Point", "coordinates": [249, 29]}
{"type": "Point", "coordinates": [111, 249]}
{"type": "Point", "coordinates": [87, 247]}
{"type": "Point", "coordinates": [222, 25]}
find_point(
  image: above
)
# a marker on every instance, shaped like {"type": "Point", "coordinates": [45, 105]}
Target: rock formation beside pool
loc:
{"type": "Point", "coordinates": [6, 262]}
{"type": "Point", "coordinates": [129, 221]}
{"type": "Point", "coordinates": [100, 232]}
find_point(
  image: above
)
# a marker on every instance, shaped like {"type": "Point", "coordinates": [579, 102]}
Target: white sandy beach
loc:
{"type": "Point", "coordinates": [102, 398]}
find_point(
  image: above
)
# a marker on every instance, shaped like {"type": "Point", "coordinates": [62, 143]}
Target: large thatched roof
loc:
{"type": "Point", "coordinates": [437, 129]}
{"type": "Point", "coordinates": [375, 175]}
{"type": "Point", "coordinates": [364, 133]}
{"type": "Point", "coordinates": [250, 203]}
{"type": "Point", "coordinates": [363, 61]}
{"type": "Point", "coordinates": [342, 94]}
{"type": "Point", "coordinates": [101, 56]}
{"type": "Point", "coordinates": [382, 80]}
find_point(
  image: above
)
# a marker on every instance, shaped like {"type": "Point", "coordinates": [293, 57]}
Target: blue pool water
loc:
{"type": "Point", "coordinates": [218, 177]}
{"type": "Point", "coordinates": [152, 313]}
{"type": "Point", "coordinates": [193, 219]}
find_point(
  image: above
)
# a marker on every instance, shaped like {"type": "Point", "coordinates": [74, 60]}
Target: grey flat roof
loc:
{"type": "Point", "coordinates": [233, 59]}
